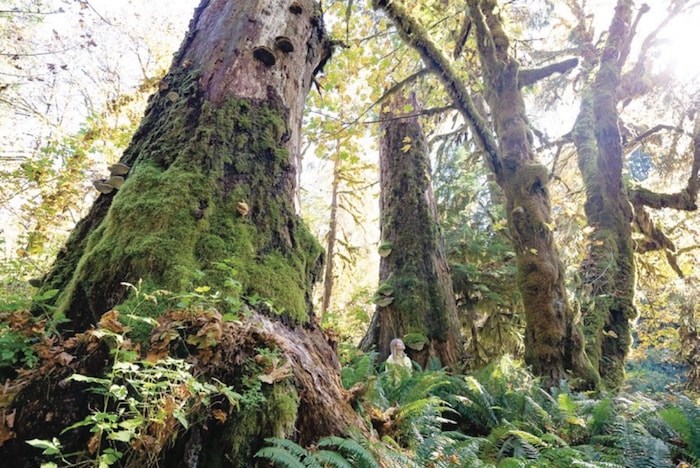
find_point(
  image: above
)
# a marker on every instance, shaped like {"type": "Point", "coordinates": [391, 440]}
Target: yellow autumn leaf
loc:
{"type": "Point", "coordinates": [500, 225]}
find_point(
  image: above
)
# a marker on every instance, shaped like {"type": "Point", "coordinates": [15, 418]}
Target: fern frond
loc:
{"type": "Point", "coordinates": [328, 458]}
{"type": "Point", "coordinates": [351, 449]}
{"type": "Point", "coordinates": [358, 371]}
{"type": "Point", "coordinates": [280, 457]}
{"type": "Point", "coordinates": [291, 446]}
{"type": "Point", "coordinates": [602, 416]}
{"type": "Point", "coordinates": [481, 401]}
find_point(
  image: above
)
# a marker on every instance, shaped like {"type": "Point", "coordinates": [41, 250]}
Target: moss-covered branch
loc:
{"type": "Point", "coordinates": [462, 36]}
{"type": "Point", "coordinates": [531, 76]}
{"type": "Point", "coordinates": [413, 34]}
{"type": "Point", "coordinates": [686, 199]}
{"type": "Point", "coordinates": [656, 239]}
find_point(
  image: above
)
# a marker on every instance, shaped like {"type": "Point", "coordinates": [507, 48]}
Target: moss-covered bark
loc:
{"type": "Point", "coordinates": [415, 300]}
{"type": "Point", "coordinates": [208, 200]}
{"type": "Point", "coordinates": [553, 341]}
{"type": "Point", "coordinates": [180, 210]}
{"type": "Point", "coordinates": [608, 272]}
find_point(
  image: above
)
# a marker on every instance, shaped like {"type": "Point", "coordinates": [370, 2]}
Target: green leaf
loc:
{"type": "Point", "coordinates": [121, 436]}
{"type": "Point", "coordinates": [119, 391]}
{"type": "Point", "coordinates": [52, 447]}
{"type": "Point", "coordinates": [46, 295]}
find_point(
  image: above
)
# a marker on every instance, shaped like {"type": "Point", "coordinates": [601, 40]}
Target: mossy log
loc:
{"type": "Point", "coordinates": [208, 200]}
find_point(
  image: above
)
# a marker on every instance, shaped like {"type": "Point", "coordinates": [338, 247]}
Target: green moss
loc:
{"type": "Point", "coordinates": [274, 417]}
{"type": "Point", "coordinates": [530, 175]}
{"type": "Point", "coordinates": [283, 405]}
{"type": "Point", "coordinates": [177, 213]}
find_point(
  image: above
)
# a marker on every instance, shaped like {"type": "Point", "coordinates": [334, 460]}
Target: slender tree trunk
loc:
{"type": "Point", "coordinates": [210, 189]}
{"type": "Point", "coordinates": [415, 300]}
{"type": "Point", "coordinates": [328, 276]}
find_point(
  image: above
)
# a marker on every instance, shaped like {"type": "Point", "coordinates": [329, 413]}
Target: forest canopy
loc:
{"type": "Point", "coordinates": [218, 218]}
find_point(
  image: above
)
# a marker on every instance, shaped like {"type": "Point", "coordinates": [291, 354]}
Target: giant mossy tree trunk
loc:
{"type": "Point", "coordinates": [613, 209]}
{"type": "Point", "coordinates": [554, 344]}
{"type": "Point", "coordinates": [212, 170]}
{"type": "Point", "coordinates": [415, 300]}
{"type": "Point", "coordinates": [208, 201]}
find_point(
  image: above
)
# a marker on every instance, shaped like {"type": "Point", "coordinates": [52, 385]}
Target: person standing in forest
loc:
{"type": "Point", "coordinates": [398, 358]}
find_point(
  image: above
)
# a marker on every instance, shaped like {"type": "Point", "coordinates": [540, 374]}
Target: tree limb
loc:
{"type": "Point", "coordinates": [686, 199]}
{"type": "Point", "coordinates": [644, 135]}
{"type": "Point", "coordinates": [625, 51]}
{"type": "Point", "coordinates": [655, 239]}
{"type": "Point", "coordinates": [529, 77]}
{"type": "Point", "coordinates": [462, 36]}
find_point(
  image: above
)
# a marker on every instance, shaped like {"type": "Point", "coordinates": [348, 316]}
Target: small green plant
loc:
{"type": "Point", "coordinates": [145, 405]}
{"type": "Point", "coordinates": [15, 349]}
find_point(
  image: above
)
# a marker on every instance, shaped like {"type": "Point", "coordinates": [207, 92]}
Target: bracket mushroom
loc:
{"type": "Point", "coordinates": [265, 55]}
{"type": "Point", "coordinates": [284, 44]}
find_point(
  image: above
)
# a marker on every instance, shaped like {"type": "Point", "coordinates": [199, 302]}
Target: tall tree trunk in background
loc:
{"type": "Point", "coordinates": [415, 300]}
{"type": "Point", "coordinates": [328, 276]}
{"type": "Point", "coordinates": [210, 189]}
{"type": "Point", "coordinates": [554, 344]}
{"type": "Point", "coordinates": [608, 271]}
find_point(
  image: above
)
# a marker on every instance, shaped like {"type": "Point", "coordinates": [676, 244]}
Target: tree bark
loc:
{"type": "Point", "coordinates": [608, 270]}
{"type": "Point", "coordinates": [328, 276]}
{"type": "Point", "coordinates": [211, 183]}
{"type": "Point", "coordinates": [415, 300]}
{"type": "Point", "coordinates": [553, 341]}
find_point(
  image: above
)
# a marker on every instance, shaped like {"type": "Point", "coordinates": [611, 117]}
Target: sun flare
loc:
{"type": "Point", "coordinates": [680, 41]}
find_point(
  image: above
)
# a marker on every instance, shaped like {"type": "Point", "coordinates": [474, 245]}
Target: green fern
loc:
{"type": "Point", "coordinates": [328, 458]}
{"type": "Point", "coordinates": [352, 450]}
{"type": "Point", "coordinates": [292, 447]}
{"type": "Point", "coordinates": [280, 456]}
{"type": "Point", "coordinates": [288, 454]}
{"type": "Point", "coordinates": [684, 419]}
{"type": "Point", "coordinates": [602, 416]}
{"type": "Point", "coordinates": [359, 370]}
